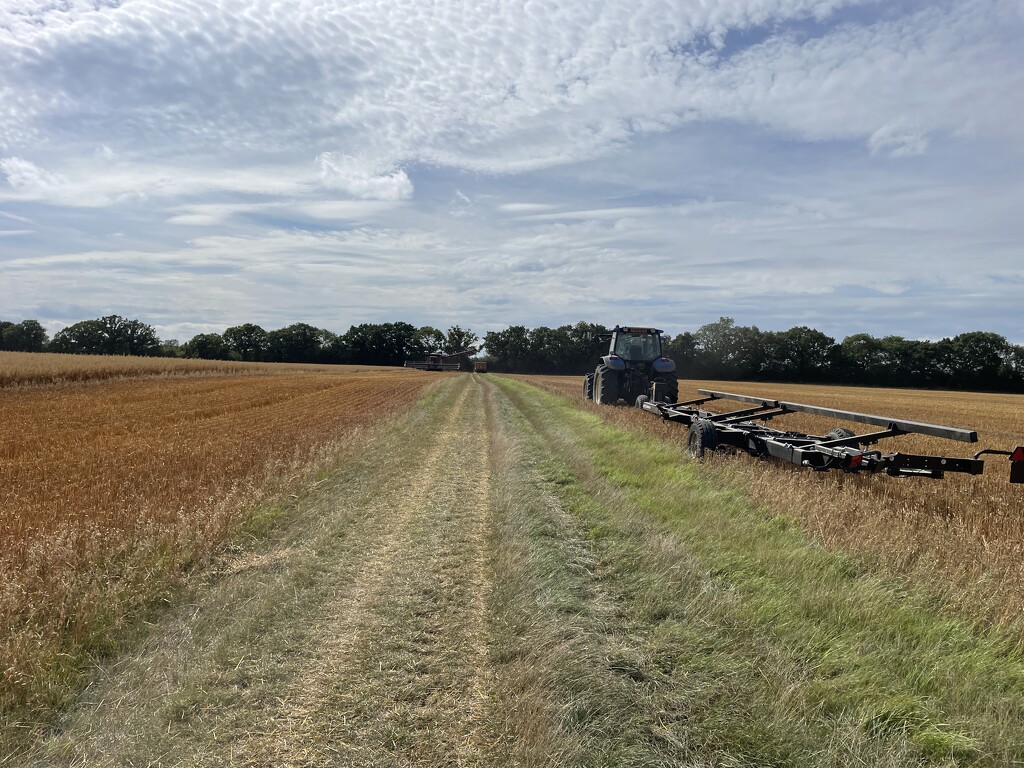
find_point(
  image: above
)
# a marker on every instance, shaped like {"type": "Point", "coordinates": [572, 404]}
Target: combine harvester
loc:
{"type": "Point", "coordinates": [635, 369]}
{"type": "Point", "coordinates": [440, 361]}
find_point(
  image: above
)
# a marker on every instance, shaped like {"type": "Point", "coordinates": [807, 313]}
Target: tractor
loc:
{"type": "Point", "coordinates": [633, 370]}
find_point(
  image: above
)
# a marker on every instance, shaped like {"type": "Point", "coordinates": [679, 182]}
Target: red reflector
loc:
{"type": "Point", "coordinates": [1017, 455]}
{"type": "Point", "coordinates": [855, 461]}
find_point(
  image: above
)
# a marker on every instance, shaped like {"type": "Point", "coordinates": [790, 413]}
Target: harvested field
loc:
{"type": "Point", "coordinates": [33, 369]}
{"type": "Point", "coordinates": [963, 536]}
{"type": "Point", "coordinates": [137, 468]}
{"type": "Point", "coordinates": [504, 578]}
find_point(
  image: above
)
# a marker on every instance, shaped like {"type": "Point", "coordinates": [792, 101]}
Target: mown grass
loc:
{"type": "Point", "coordinates": [960, 536]}
{"type": "Point", "coordinates": [761, 647]}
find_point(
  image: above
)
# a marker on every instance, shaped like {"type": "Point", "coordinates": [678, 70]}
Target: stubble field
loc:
{"type": "Point", "coordinates": [963, 536]}
{"type": "Point", "coordinates": [501, 576]}
{"type": "Point", "coordinates": [116, 473]}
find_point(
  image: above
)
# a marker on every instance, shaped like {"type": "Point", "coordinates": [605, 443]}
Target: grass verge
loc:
{"type": "Point", "coordinates": [755, 646]}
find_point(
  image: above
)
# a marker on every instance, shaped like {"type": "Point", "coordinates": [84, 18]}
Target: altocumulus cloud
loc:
{"type": "Point", "coordinates": [852, 165]}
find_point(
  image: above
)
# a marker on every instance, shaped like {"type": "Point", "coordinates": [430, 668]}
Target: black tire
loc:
{"type": "Point", "coordinates": [588, 387]}
{"type": "Point", "coordinates": [606, 386]}
{"type": "Point", "coordinates": [671, 386]}
{"type": "Point", "coordinates": [840, 433]}
{"type": "Point", "coordinates": [702, 438]}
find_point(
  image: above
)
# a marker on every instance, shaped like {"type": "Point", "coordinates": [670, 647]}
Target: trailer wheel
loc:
{"type": "Point", "coordinates": [606, 386]}
{"type": "Point", "coordinates": [840, 433]}
{"type": "Point", "coordinates": [671, 387]}
{"type": "Point", "coordinates": [702, 438]}
{"type": "Point", "coordinates": [588, 387]}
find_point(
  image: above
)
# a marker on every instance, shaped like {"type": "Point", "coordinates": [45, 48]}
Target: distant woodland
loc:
{"type": "Point", "coordinates": [978, 360]}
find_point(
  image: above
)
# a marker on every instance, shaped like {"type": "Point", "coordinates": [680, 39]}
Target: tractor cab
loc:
{"type": "Point", "coordinates": [636, 345]}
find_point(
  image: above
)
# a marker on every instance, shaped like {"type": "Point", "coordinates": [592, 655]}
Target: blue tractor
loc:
{"type": "Point", "coordinates": [634, 370]}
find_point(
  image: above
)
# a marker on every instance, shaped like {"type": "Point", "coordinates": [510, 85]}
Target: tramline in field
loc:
{"type": "Point", "coordinates": [634, 369]}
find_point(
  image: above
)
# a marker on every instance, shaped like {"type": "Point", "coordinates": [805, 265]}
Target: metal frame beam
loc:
{"type": "Point", "coordinates": [910, 427]}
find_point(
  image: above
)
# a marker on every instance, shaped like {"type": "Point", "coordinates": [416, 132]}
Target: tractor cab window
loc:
{"type": "Point", "coordinates": [638, 346]}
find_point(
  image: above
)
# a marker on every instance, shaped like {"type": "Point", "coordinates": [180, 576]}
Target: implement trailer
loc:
{"type": "Point", "coordinates": [839, 449]}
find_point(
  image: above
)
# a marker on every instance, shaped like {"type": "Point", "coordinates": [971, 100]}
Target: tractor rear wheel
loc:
{"type": "Point", "coordinates": [606, 385]}
{"type": "Point", "coordinates": [671, 386]}
{"type": "Point", "coordinates": [588, 387]}
{"type": "Point", "coordinates": [702, 438]}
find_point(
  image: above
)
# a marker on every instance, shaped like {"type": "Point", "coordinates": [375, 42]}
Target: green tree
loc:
{"type": "Point", "coordinates": [426, 340]}
{"type": "Point", "coordinates": [725, 350]}
{"type": "Point", "coordinates": [82, 338]}
{"type": "Point", "coordinates": [110, 335]}
{"type": "Point", "coordinates": [26, 336]}
{"type": "Point", "coordinates": [682, 349]}
{"type": "Point", "coordinates": [382, 343]}
{"type": "Point", "coordinates": [509, 350]}
{"type": "Point", "coordinates": [802, 354]}
{"type": "Point", "coordinates": [171, 348]}
{"type": "Point", "coordinates": [980, 360]}
{"type": "Point", "coordinates": [249, 341]}
{"type": "Point", "coordinates": [208, 346]}
{"type": "Point", "coordinates": [299, 343]}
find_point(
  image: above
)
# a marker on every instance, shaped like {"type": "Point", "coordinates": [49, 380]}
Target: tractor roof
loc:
{"type": "Point", "coordinates": [634, 329]}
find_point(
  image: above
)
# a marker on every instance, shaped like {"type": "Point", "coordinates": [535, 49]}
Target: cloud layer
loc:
{"type": "Point", "coordinates": [493, 162]}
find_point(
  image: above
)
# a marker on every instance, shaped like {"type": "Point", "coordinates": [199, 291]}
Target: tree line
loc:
{"type": "Point", "coordinates": [724, 350]}
{"type": "Point", "coordinates": [366, 344]}
{"type": "Point", "coordinates": [720, 350]}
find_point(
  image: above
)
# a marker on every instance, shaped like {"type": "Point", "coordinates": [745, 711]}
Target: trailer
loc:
{"type": "Point", "coordinates": [841, 449]}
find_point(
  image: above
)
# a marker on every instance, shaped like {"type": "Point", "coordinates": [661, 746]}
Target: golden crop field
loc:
{"type": "Point", "coordinates": [115, 472]}
{"type": "Point", "coordinates": [963, 535]}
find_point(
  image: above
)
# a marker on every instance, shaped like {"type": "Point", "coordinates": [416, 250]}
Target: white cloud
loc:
{"type": "Point", "coordinates": [524, 207]}
{"type": "Point", "coordinates": [28, 178]}
{"type": "Point", "coordinates": [502, 158]}
{"type": "Point", "coordinates": [897, 141]}
{"type": "Point", "coordinates": [360, 180]}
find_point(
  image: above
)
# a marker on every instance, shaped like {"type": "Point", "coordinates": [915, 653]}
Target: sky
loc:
{"type": "Point", "coordinates": [854, 166]}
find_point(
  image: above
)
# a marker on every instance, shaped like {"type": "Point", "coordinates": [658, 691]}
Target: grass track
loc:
{"type": "Point", "coordinates": [505, 579]}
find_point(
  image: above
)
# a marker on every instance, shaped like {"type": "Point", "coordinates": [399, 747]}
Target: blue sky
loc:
{"type": "Point", "coordinates": [852, 166]}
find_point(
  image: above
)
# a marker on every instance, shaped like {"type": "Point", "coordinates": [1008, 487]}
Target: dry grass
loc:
{"type": "Point", "coordinates": [31, 369]}
{"type": "Point", "coordinates": [110, 484]}
{"type": "Point", "coordinates": [962, 536]}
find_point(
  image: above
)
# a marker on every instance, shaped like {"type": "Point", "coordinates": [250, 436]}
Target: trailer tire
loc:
{"type": "Point", "coordinates": [588, 387]}
{"type": "Point", "coordinates": [840, 433]}
{"type": "Point", "coordinates": [702, 438]}
{"type": "Point", "coordinates": [671, 383]}
{"type": "Point", "coordinates": [606, 386]}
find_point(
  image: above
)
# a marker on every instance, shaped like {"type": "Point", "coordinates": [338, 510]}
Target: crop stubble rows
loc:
{"type": "Point", "coordinates": [108, 486]}
{"type": "Point", "coordinates": [487, 590]}
{"type": "Point", "coordinates": [964, 535]}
